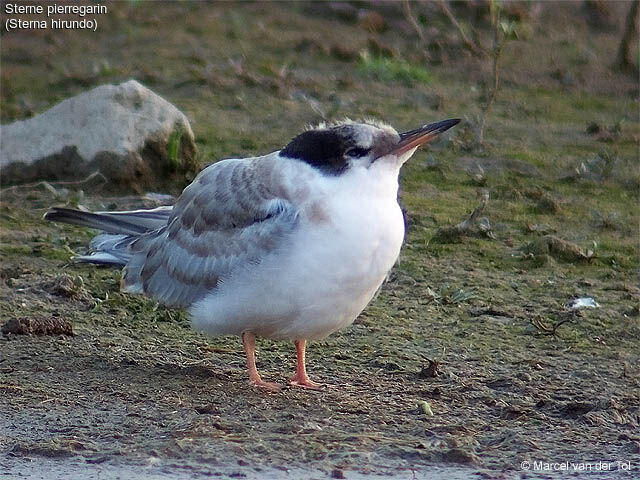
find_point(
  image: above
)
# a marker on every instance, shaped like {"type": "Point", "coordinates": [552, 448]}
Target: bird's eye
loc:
{"type": "Point", "coordinates": [357, 152]}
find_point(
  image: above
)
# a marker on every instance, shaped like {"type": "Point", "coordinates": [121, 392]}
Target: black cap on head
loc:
{"type": "Point", "coordinates": [323, 149]}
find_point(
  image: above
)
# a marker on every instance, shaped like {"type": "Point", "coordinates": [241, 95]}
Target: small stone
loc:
{"type": "Point", "coordinates": [206, 409]}
{"type": "Point", "coordinates": [524, 376]}
{"type": "Point", "coordinates": [337, 473]}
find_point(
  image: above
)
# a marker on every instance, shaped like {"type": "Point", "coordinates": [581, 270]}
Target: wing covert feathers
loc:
{"type": "Point", "coordinates": [230, 217]}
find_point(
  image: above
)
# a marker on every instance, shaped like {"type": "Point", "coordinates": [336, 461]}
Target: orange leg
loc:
{"type": "Point", "coordinates": [249, 344]}
{"type": "Point", "coordinates": [301, 379]}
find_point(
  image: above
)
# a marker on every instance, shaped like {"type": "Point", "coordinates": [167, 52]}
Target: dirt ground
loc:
{"type": "Point", "coordinates": [468, 364]}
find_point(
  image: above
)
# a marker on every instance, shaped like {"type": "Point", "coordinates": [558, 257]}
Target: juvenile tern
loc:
{"type": "Point", "coordinates": [290, 245]}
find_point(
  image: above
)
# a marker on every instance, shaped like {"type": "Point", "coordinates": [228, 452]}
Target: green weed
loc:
{"type": "Point", "coordinates": [390, 70]}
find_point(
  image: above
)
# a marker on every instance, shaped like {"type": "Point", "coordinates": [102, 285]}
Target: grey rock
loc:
{"type": "Point", "coordinates": [125, 131]}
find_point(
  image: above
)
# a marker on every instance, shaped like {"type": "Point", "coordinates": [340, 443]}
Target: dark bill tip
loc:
{"type": "Point", "coordinates": [414, 138]}
{"type": "Point", "coordinates": [437, 127]}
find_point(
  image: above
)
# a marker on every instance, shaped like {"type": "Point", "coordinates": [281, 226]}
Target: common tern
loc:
{"type": "Point", "coordinates": [290, 245]}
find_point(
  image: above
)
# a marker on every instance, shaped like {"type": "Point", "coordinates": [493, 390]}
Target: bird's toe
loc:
{"type": "Point", "coordinates": [269, 387]}
{"type": "Point", "coordinates": [307, 383]}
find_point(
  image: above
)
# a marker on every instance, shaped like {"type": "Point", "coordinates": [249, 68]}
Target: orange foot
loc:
{"type": "Point", "coordinates": [267, 386]}
{"type": "Point", "coordinates": [303, 381]}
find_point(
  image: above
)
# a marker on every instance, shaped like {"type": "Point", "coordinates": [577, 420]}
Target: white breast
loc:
{"type": "Point", "coordinates": [350, 237]}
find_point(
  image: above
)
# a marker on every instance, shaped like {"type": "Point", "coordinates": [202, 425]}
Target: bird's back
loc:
{"type": "Point", "coordinates": [230, 217]}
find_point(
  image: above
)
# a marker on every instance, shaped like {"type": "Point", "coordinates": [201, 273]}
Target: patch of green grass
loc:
{"type": "Point", "coordinates": [389, 70]}
{"type": "Point", "coordinates": [173, 148]}
{"type": "Point", "coordinates": [15, 250]}
{"type": "Point", "coordinates": [60, 254]}
{"type": "Point", "coordinates": [569, 107]}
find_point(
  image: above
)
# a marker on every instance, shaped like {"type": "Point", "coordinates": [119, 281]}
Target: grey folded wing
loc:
{"type": "Point", "coordinates": [120, 230]}
{"type": "Point", "coordinates": [229, 219]}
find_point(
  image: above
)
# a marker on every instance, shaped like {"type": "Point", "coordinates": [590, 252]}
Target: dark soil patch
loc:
{"type": "Point", "coordinates": [37, 326]}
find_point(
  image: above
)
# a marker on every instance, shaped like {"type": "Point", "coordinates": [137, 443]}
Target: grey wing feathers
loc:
{"type": "Point", "coordinates": [229, 218]}
{"type": "Point", "coordinates": [121, 229]}
{"type": "Point", "coordinates": [133, 222]}
{"type": "Point", "coordinates": [148, 219]}
{"type": "Point", "coordinates": [108, 249]}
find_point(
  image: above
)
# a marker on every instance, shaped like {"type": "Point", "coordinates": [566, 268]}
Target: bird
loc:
{"type": "Point", "coordinates": [291, 245]}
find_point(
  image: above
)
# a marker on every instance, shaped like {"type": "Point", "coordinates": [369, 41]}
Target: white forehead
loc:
{"type": "Point", "coordinates": [364, 133]}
